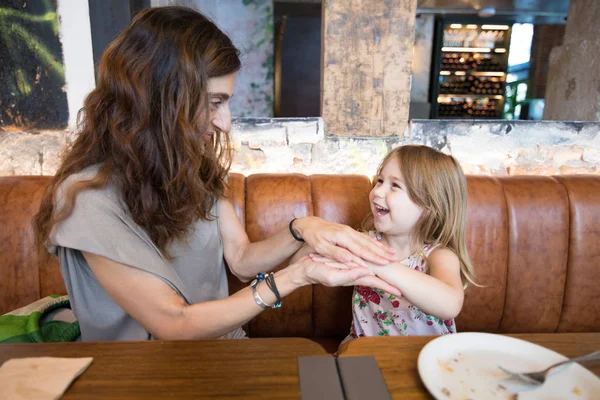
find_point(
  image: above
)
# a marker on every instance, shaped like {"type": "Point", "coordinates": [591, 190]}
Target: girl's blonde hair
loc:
{"type": "Point", "coordinates": [436, 182]}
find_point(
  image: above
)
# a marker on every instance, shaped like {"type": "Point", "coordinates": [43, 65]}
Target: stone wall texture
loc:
{"type": "Point", "coordinates": [302, 145]}
{"type": "Point", "coordinates": [573, 86]}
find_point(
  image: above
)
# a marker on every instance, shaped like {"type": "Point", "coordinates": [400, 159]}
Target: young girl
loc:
{"type": "Point", "coordinates": [419, 208]}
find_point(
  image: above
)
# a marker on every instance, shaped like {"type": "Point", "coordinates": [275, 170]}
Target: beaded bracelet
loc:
{"type": "Point", "coordinates": [270, 281]}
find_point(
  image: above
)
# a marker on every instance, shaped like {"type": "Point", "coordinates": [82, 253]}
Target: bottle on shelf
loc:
{"type": "Point", "coordinates": [472, 85]}
{"type": "Point", "coordinates": [470, 62]}
{"type": "Point", "coordinates": [481, 108]}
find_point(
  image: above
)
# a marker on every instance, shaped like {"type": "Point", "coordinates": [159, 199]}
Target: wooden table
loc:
{"type": "Point", "coordinates": [253, 368]}
{"type": "Point", "coordinates": [397, 356]}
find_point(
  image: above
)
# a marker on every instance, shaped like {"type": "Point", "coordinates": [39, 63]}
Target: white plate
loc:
{"type": "Point", "coordinates": [465, 366]}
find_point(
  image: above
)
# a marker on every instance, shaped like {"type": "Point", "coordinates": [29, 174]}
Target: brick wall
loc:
{"type": "Point", "coordinates": [302, 145]}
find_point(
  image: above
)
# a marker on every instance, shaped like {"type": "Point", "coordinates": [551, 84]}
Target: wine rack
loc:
{"type": "Point", "coordinates": [470, 67]}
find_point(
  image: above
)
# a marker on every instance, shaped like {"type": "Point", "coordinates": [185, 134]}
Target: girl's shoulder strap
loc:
{"type": "Point", "coordinates": [429, 247]}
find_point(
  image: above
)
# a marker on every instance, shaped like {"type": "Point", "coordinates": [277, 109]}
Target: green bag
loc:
{"type": "Point", "coordinates": [39, 322]}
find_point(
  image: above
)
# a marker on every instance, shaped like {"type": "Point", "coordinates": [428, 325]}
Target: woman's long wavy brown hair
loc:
{"type": "Point", "coordinates": [436, 182]}
{"type": "Point", "coordinates": [143, 124]}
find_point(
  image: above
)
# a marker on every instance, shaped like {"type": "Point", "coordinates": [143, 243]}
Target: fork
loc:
{"type": "Point", "coordinates": [538, 378]}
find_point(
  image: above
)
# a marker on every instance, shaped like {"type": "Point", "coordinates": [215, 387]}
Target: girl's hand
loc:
{"type": "Point", "coordinates": [334, 263]}
{"type": "Point", "coordinates": [313, 272]}
{"type": "Point", "coordinates": [342, 243]}
{"type": "Point", "coordinates": [370, 280]}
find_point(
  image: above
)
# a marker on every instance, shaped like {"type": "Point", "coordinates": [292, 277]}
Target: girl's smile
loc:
{"type": "Point", "coordinates": [395, 213]}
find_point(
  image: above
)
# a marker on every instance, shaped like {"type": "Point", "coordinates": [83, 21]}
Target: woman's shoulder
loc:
{"type": "Point", "coordinates": [98, 212]}
{"type": "Point", "coordinates": [79, 177]}
{"type": "Point", "coordinates": [106, 195]}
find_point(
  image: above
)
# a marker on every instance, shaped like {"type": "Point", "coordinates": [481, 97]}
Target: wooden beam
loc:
{"type": "Point", "coordinates": [366, 66]}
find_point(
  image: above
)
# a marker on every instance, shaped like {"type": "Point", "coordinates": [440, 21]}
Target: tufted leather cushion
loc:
{"type": "Point", "coordinates": [24, 277]}
{"type": "Point", "coordinates": [534, 242]}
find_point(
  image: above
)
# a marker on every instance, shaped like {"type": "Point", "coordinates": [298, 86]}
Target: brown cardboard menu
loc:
{"type": "Point", "coordinates": [362, 379]}
{"type": "Point", "coordinates": [319, 378]}
{"type": "Point", "coordinates": [346, 378]}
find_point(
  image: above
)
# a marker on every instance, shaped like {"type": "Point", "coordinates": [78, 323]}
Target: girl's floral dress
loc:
{"type": "Point", "coordinates": [378, 313]}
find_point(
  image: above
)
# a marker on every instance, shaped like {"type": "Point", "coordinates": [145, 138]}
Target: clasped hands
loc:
{"type": "Point", "coordinates": [344, 257]}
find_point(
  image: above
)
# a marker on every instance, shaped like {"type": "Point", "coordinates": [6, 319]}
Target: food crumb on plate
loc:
{"type": "Point", "coordinates": [577, 391]}
{"type": "Point", "coordinates": [445, 366]}
{"type": "Point", "coordinates": [446, 391]}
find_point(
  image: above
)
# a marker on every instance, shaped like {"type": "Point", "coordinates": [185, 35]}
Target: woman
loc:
{"type": "Point", "coordinates": [137, 212]}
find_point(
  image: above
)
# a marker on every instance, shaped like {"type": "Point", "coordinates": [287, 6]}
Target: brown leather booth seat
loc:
{"type": "Point", "coordinates": [534, 242]}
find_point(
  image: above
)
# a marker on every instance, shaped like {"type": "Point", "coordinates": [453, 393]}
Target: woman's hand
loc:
{"type": "Point", "coordinates": [341, 242]}
{"type": "Point", "coordinates": [369, 280]}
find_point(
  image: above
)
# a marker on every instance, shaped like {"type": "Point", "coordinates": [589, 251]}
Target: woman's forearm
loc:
{"type": "Point", "coordinates": [214, 319]}
{"type": "Point", "coordinates": [304, 251]}
{"type": "Point", "coordinates": [217, 318]}
{"type": "Point", "coordinates": [246, 259]}
{"type": "Point", "coordinates": [265, 255]}
{"type": "Point", "coordinates": [164, 313]}
{"type": "Point", "coordinates": [429, 294]}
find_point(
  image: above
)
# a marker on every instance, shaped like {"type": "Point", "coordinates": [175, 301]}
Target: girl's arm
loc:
{"type": "Point", "coordinates": [439, 294]}
{"type": "Point", "coordinates": [165, 314]}
{"type": "Point", "coordinates": [336, 241]}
